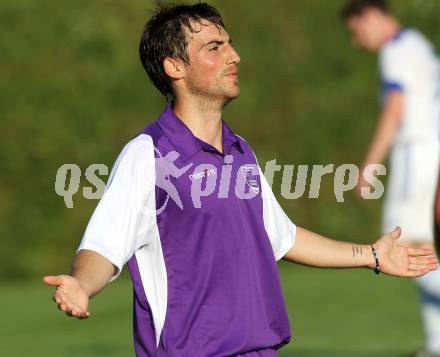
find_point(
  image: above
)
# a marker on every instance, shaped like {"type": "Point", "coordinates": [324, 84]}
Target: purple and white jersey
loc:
{"type": "Point", "coordinates": [201, 232]}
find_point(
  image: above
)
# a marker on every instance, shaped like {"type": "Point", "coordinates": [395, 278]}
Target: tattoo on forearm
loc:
{"type": "Point", "coordinates": [357, 250]}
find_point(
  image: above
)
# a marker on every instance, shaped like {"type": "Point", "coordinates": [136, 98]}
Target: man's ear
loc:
{"type": "Point", "coordinates": [174, 68]}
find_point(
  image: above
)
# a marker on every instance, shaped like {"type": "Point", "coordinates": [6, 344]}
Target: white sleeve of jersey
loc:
{"type": "Point", "coordinates": [280, 229]}
{"type": "Point", "coordinates": [126, 215]}
{"type": "Point", "coordinates": [395, 68]}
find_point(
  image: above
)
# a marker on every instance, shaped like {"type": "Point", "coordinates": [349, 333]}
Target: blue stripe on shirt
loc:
{"type": "Point", "coordinates": [389, 86]}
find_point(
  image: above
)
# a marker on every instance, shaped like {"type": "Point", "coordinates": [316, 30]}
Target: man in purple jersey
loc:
{"type": "Point", "coordinates": [190, 212]}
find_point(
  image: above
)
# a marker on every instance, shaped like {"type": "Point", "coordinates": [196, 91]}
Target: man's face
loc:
{"type": "Point", "coordinates": [366, 30]}
{"type": "Point", "coordinates": [212, 71]}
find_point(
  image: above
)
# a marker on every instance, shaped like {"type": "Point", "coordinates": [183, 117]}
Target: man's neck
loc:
{"type": "Point", "coordinates": [203, 119]}
{"type": "Point", "coordinates": [391, 28]}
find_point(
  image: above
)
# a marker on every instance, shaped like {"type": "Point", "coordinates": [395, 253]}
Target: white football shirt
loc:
{"type": "Point", "coordinates": [409, 63]}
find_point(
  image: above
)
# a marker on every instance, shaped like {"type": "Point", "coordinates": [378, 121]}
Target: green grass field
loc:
{"type": "Point", "coordinates": [345, 313]}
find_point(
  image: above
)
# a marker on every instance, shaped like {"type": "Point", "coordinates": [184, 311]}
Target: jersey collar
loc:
{"type": "Point", "coordinates": [184, 141]}
{"type": "Point", "coordinates": [398, 34]}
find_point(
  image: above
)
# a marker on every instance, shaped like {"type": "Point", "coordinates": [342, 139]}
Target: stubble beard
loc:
{"type": "Point", "coordinates": [221, 93]}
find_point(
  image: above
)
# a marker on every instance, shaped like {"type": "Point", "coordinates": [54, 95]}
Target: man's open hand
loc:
{"type": "Point", "coordinates": [69, 295]}
{"type": "Point", "coordinates": [395, 259]}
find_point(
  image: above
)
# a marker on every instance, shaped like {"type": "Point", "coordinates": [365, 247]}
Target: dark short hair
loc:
{"type": "Point", "coordinates": [164, 36]}
{"type": "Point", "coordinates": [357, 7]}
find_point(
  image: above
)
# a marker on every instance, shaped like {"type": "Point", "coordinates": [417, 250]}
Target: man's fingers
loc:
{"type": "Point", "coordinates": [430, 259]}
{"type": "Point", "coordinates": [64, 299]}
{"type": "Point", "coordinates": [80, 314]}
{"type": "Point", "coordinates": [395, 234]}
{"type": "Point", "coordinates": [418, 272]}
{"type": "Point", "coordinates": [418, 252]}
{"type": "Point", "coordinates": [71, 309]}
{"type": "Point", "coordinates": [76, 313]}
{"type": "Point", "coordinates": [59, 296]}
{"type": "Point", "coordinates": [433, 267]}
{"type": "Point", "coordinates": [52, 280]}
{"type": "Point", "coordinates": [416, 266]}
{"type": "Point", "coordinates": [412, 273]}
{"type": "Point", "coordinates": [83, 315]}
{"type": "Point", "coordinates": [56, 299]}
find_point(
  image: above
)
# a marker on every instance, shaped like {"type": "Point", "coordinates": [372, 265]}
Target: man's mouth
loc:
{"type": "Point", "coordinates": [233, 74]}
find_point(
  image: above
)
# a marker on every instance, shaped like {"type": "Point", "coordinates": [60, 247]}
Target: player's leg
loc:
{"type": "Point", "coordinates": [430, 290]}
{"type": "Point", "coordinates": [437, 216]}
{"type": "Point", "coordinates": [429, 286]}
{"type": "Point", "coordinates": [409, 204]}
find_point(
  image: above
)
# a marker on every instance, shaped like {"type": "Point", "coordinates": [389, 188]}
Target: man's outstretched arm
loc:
{"type": "Point", "coordinates": [315, 250]}
{"type": "Point", "coordinates": [90, 274]}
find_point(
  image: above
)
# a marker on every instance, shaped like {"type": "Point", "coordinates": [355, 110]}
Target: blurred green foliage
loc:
{"type": "Point", "coordinates": [74, 91]}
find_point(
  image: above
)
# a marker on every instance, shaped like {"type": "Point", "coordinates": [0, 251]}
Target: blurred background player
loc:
{"type": "Point", "coordinates": [409, 126]}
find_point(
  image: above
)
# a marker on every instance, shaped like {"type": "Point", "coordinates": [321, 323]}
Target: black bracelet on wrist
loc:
{"type": "Point", "coordinates": [376, 258]}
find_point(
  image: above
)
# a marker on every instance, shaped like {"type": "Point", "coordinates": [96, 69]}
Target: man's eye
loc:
{"type": "Point", "coordinates": [215, 48]}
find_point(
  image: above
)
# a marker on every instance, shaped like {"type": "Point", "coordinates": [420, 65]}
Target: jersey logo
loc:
{"type": "Point", "coordinates": [165, 167]}
{"type": "Point", "coordinates": [251, 178]}
{"type": "Point", "coordinates": [199, 175]}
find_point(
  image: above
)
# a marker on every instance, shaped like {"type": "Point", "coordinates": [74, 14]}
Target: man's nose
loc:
{"type": "Point", "coordinates": [233, 56]}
